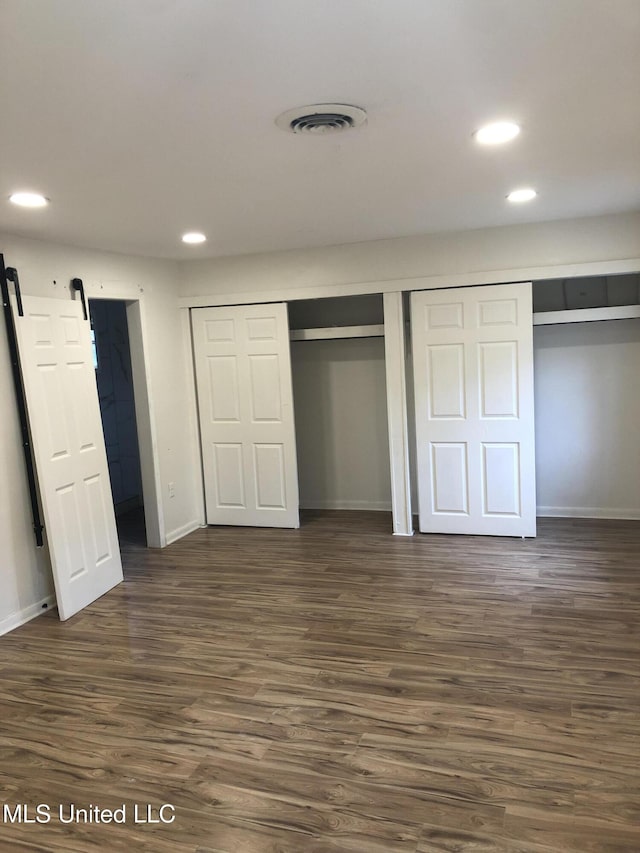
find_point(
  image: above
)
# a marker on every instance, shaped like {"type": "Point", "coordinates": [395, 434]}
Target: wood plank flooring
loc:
{"type": "Point", "coordinates": [336, 689]}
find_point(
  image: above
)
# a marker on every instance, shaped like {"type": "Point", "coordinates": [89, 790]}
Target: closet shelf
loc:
{"type": "Point", "coordinates": [586, 315]}
{"type": "Point", "coordinates": [335, 332]}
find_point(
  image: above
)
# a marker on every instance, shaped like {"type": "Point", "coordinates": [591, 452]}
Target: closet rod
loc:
{"type": "Point", "coordinates": [335, 332]}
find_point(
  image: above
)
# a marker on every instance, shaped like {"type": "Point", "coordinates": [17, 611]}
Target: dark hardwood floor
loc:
{"type": "Point", "coordinates": [338, 689]}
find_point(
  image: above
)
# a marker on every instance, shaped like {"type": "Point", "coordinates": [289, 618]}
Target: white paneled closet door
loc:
{"type": "Point", "coordinates": [473, 376]}
{"type": "Point", "coordinates": [56, 361]}
{"type": "Point", "coordinates": [245, 400]}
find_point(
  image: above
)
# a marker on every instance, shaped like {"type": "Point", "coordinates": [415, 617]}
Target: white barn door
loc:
{"type": "Point", "coordinates": [473, 375]}
{"type": "Point", "coordinates": [56, 361]}
{"type": "Point", "coordinates": [245, 400]}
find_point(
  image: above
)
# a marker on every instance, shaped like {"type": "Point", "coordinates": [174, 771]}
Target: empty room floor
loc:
{"type": "Point", "coordinates": [338, 689]}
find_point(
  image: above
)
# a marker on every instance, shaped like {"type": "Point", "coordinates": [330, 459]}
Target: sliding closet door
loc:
{"type": "Point", "coordinates": [245, 400]}
{"type": "Point", "coordinates": [473, 375]}
{"type": "Point", "coordinates": [66, 429]}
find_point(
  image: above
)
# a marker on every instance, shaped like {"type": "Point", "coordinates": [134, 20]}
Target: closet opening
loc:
{"type": "Point", "coordinates": [586, 346]}
{"type": "Point", "coordinates": [340, 406]}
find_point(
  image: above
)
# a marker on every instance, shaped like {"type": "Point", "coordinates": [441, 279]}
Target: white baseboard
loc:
{"type": "Point", "coordinates": [179, 532]}
{"type": "Point", "coordinates": [587, 512]}
{"type": "Point", "coordinates": [379, 506]}
{"type": "Point", "coordinates": [9, 623]}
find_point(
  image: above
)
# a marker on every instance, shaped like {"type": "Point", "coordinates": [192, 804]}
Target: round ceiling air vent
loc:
{"type": "Point", "coordinates": [321, 118]}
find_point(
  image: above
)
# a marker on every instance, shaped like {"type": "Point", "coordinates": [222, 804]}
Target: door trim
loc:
{"type": "Point", "coordinates": [397, 418]}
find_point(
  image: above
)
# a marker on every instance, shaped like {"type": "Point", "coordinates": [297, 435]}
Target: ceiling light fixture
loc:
{"type": "Point", "coordinates": [497, 133]}
{"type": "Point", "coordinates": [24, 199]}
{"type": "Point", "coordinates": [193, 237]}
{"type": "Point", "coordinates": [524, 194]}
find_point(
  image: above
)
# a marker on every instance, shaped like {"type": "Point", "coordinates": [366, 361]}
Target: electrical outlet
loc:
{"type": "Point", "coordinates": [172, 490]}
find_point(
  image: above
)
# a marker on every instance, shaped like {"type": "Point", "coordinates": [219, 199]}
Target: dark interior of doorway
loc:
{"type": "Point", "coordinates": [112, 361]}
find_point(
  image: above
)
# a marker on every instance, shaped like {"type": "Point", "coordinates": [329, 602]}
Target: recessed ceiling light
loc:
{"type": "Point", "coordinates": [193, 237]}
{"type": "Point", "coordinates": [497, 132]}
{"type": "Point", "coordinates": [28, 199]}
{"type": "Point", "coordinates": [524, 194]}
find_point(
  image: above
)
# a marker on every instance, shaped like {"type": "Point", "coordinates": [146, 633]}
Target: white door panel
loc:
{"type": "Point", "coordinates": [473, 375]}
{"type": "Point", "coordinates": [68, 444]}
{"type": "Point", "coordinates": [243, 377]}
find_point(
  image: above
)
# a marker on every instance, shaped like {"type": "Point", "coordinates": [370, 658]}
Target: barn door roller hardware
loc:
{"type": "Point", "coordinates": [11, 274]}
{"type": "Point", "coordinates": [76, 284]}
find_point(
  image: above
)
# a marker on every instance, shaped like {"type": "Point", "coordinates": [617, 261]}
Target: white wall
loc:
{"type": "Point", "coordinates": [589, 246]}
{"type": "Point", "coordinates": [587, 399]}
{"type": "Point", "coordinates": [517, 253]}
{"type": "Point", "coordinates": [25, 573]}
{"type": "Point", "coordinates": [24, 570]}
{"type": "Point", "coordinates": [339, 393]}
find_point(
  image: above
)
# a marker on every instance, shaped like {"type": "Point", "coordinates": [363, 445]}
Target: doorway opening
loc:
{"type": "Point", "coordinates": [116, 394]}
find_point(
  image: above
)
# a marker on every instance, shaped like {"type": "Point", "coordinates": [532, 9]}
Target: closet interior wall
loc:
{"type": "Point", "coordinates": [587, 398]}
{"type": "Point", "coordinates": [587, 401]}
{"type": "Point", "coordinates": [340, 405]}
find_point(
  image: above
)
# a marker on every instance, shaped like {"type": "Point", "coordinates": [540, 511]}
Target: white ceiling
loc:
{"type": "Point", "coordinates": [142, 119]}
